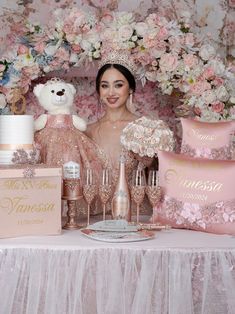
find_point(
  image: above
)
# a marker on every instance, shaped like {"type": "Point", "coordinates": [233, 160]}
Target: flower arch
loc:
{"type": "Point", "coordinates": [166, 52]}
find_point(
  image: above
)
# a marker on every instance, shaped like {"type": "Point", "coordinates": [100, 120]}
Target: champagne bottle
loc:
{"type": "Point", "coordinates": [121, 199]}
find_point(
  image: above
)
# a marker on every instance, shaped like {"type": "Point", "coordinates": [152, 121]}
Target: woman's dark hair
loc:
{"type": "Point", "coordinates": [130, 78]}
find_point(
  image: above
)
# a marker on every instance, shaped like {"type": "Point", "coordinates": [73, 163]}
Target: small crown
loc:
{"type": "Point", "coordinates": [54, 80]}
{"type": "Point", "coordinates": [119, 57]}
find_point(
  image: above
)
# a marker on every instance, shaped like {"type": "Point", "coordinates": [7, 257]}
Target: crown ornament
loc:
{"type": "Point", "coordinates": [54, 80]}
{"type": "Point", "coordinates": [119, 57]}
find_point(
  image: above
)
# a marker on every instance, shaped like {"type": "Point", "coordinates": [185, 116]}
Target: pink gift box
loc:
{"type": "Point", "coordinates": [30, 200]}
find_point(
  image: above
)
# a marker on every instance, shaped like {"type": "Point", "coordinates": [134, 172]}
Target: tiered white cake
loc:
{"type": "Point", "coordinates": [16, 132]}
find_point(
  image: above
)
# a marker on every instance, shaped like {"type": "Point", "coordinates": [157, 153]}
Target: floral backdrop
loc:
{"type": "Point", "coordinates": [184, 49]}
{"type": "Point", "coordinates": [216, 17]}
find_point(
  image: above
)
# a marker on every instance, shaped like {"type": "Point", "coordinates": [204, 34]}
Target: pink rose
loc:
{"type": "Point", "coordinates": [150, 39]}
{"type": "Point", "coordinates": [199, 87]}
{"type": "Point", "coordinates": [208, 73]}
{"type": "Point", "coordinates": [218, 106]}
{"type": "Point", "coordinates": [197, 111]}
{"type": "Point", "coordinates": [162, 34]}
{"type": "Point", "coordinates": [22, 50]}
{"type": "Point", "coordinates": [68, 28]}
{"type": "Point", "coordinates": [190, 60]}
{"type": "Point", "coordinates": [175, 44]}
{"type": "Point", "coordinates": [153, 19]}
{"type": "Point", "coordinates": [168, 62]}
{"type": "Point", "coordinates": [107, 17]}
{"type": "Point", "coordinates": [39, 47]}
{"type": "Point", "coordinates": [76, 48]}
{"type": "Point", "coordinates": [62, 54]}
{"type": "Point", "coordinates": [158, 50]}
{"type": "Point", "coordinates": [189, 39]}
{"type": "Point", "coordinates": [218, 81]}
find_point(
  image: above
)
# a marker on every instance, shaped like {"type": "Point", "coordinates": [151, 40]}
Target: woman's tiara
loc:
{"type": "Point", "coordinates": [119, 57]}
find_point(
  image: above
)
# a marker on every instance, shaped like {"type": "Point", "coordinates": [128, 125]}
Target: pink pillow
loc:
{"type": "Point", "coordinates": [198, 193]}
{"type": "Point", "coordinates": [207, 139]}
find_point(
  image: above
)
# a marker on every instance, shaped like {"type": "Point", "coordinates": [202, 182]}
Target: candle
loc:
{"type": "Point", "coordinates": [71, 170]}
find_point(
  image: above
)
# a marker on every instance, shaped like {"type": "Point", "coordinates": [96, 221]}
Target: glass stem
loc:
{"type": "Point", "coordinates": [137, 212]}
{"type": "Point", "coordinates": [153, 217]}
{"type": "Point", "coordinates": [104, 211]}
{"type": "Point", "coordinates": [88, 214]}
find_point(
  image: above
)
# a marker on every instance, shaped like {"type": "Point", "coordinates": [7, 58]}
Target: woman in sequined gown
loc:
{"type": "Point", "coordinates": [115, 85]}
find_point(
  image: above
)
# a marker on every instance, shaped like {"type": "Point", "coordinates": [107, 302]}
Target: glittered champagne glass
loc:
{"type": "Point", "coordinates": [89, 190]}
{"type": "Point", "coordinates": [105, 189]}
{"type": "Point", "coordinates": [138, 190]}
{"type": "Point", "coordinates": [153, 190]}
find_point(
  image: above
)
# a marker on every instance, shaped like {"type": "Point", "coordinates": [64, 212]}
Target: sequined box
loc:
{"type": "Point", "coordinates": [30, 200]}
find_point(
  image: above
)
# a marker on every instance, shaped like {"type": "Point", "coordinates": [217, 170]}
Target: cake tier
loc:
{"type": "Point", "coordinates": [7, 155]}
{"type": "Point", "coordinates": [16, 130]}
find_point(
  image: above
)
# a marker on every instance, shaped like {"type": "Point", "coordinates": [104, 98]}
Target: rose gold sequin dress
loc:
{"type": "Point", "coordinates": [131, 164]}
{"type": "Point", "coordinates": [61, 142]}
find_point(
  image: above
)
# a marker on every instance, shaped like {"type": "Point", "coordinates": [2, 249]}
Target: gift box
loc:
{"type": "Point", "coordinates": [30, 200]}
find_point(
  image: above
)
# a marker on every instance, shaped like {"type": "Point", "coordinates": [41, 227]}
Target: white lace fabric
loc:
{"type": "Point", "coordinates": [178, 272]}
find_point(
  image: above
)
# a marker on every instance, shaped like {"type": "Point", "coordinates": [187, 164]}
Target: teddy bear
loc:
{"type": "Point", "coordinates": [56, 97]}
{"type": "Point", "coordinates": [59, 133]}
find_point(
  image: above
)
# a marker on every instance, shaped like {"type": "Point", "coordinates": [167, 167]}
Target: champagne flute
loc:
{"type": "Point", "coordinates": [105, 189]}
{"type": "Point", "coordinates": [138, 190]}
{"type": "Point", "coordinates": [153, 190]}
{"type": "Point", "coordinates": [89, 190]}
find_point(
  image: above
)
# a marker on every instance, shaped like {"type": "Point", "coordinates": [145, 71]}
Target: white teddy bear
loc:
{"type": "Point", "coordinates": [58, 132]}
{"type": "Point", "coordinates": [56, 96]}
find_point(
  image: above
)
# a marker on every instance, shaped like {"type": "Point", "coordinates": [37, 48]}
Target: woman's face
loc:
{"type": "Point", "coordinates": [114, 88]}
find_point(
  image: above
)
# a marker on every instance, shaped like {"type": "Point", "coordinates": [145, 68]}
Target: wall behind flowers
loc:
{"type": "Point", "coordinates": [214, 18]}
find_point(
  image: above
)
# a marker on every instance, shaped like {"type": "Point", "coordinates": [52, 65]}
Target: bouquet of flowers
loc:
{"type": "Point", "coordinates": [145, 137]}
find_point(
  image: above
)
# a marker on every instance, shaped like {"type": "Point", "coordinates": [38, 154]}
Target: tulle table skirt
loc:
{"type": "Point", "coordinates": [178, 272]}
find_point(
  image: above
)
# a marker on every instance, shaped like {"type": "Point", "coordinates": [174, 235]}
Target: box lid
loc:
{"type": "Point", "coordinates": [29, 171]}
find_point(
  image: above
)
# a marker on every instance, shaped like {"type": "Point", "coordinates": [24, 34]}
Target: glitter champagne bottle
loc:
{"type": "Point", "coordinates": [121, 198]}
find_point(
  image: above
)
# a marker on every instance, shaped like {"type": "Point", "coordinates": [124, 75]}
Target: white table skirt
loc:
{"type": "Point", "coordinates": [178, 272]}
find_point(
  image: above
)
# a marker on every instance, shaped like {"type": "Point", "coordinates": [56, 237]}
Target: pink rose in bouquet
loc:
{"type": "Point", "coordinates": [217, 106]}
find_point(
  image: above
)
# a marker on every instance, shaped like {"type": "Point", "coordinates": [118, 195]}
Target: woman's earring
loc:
{"type": "Point", "coordinates": [101, 102]}
{"type": "Point", "coordinates": [130, 99]}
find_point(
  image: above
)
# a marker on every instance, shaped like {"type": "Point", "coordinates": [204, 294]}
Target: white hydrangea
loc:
{"type": "Point", "coordinates": [207, 52]}
{"type": "Point", "coordinates": [222, 94]}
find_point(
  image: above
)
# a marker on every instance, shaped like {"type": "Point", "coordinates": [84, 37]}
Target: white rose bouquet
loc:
{"type": "Point", "coordinates": [145, 137]}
